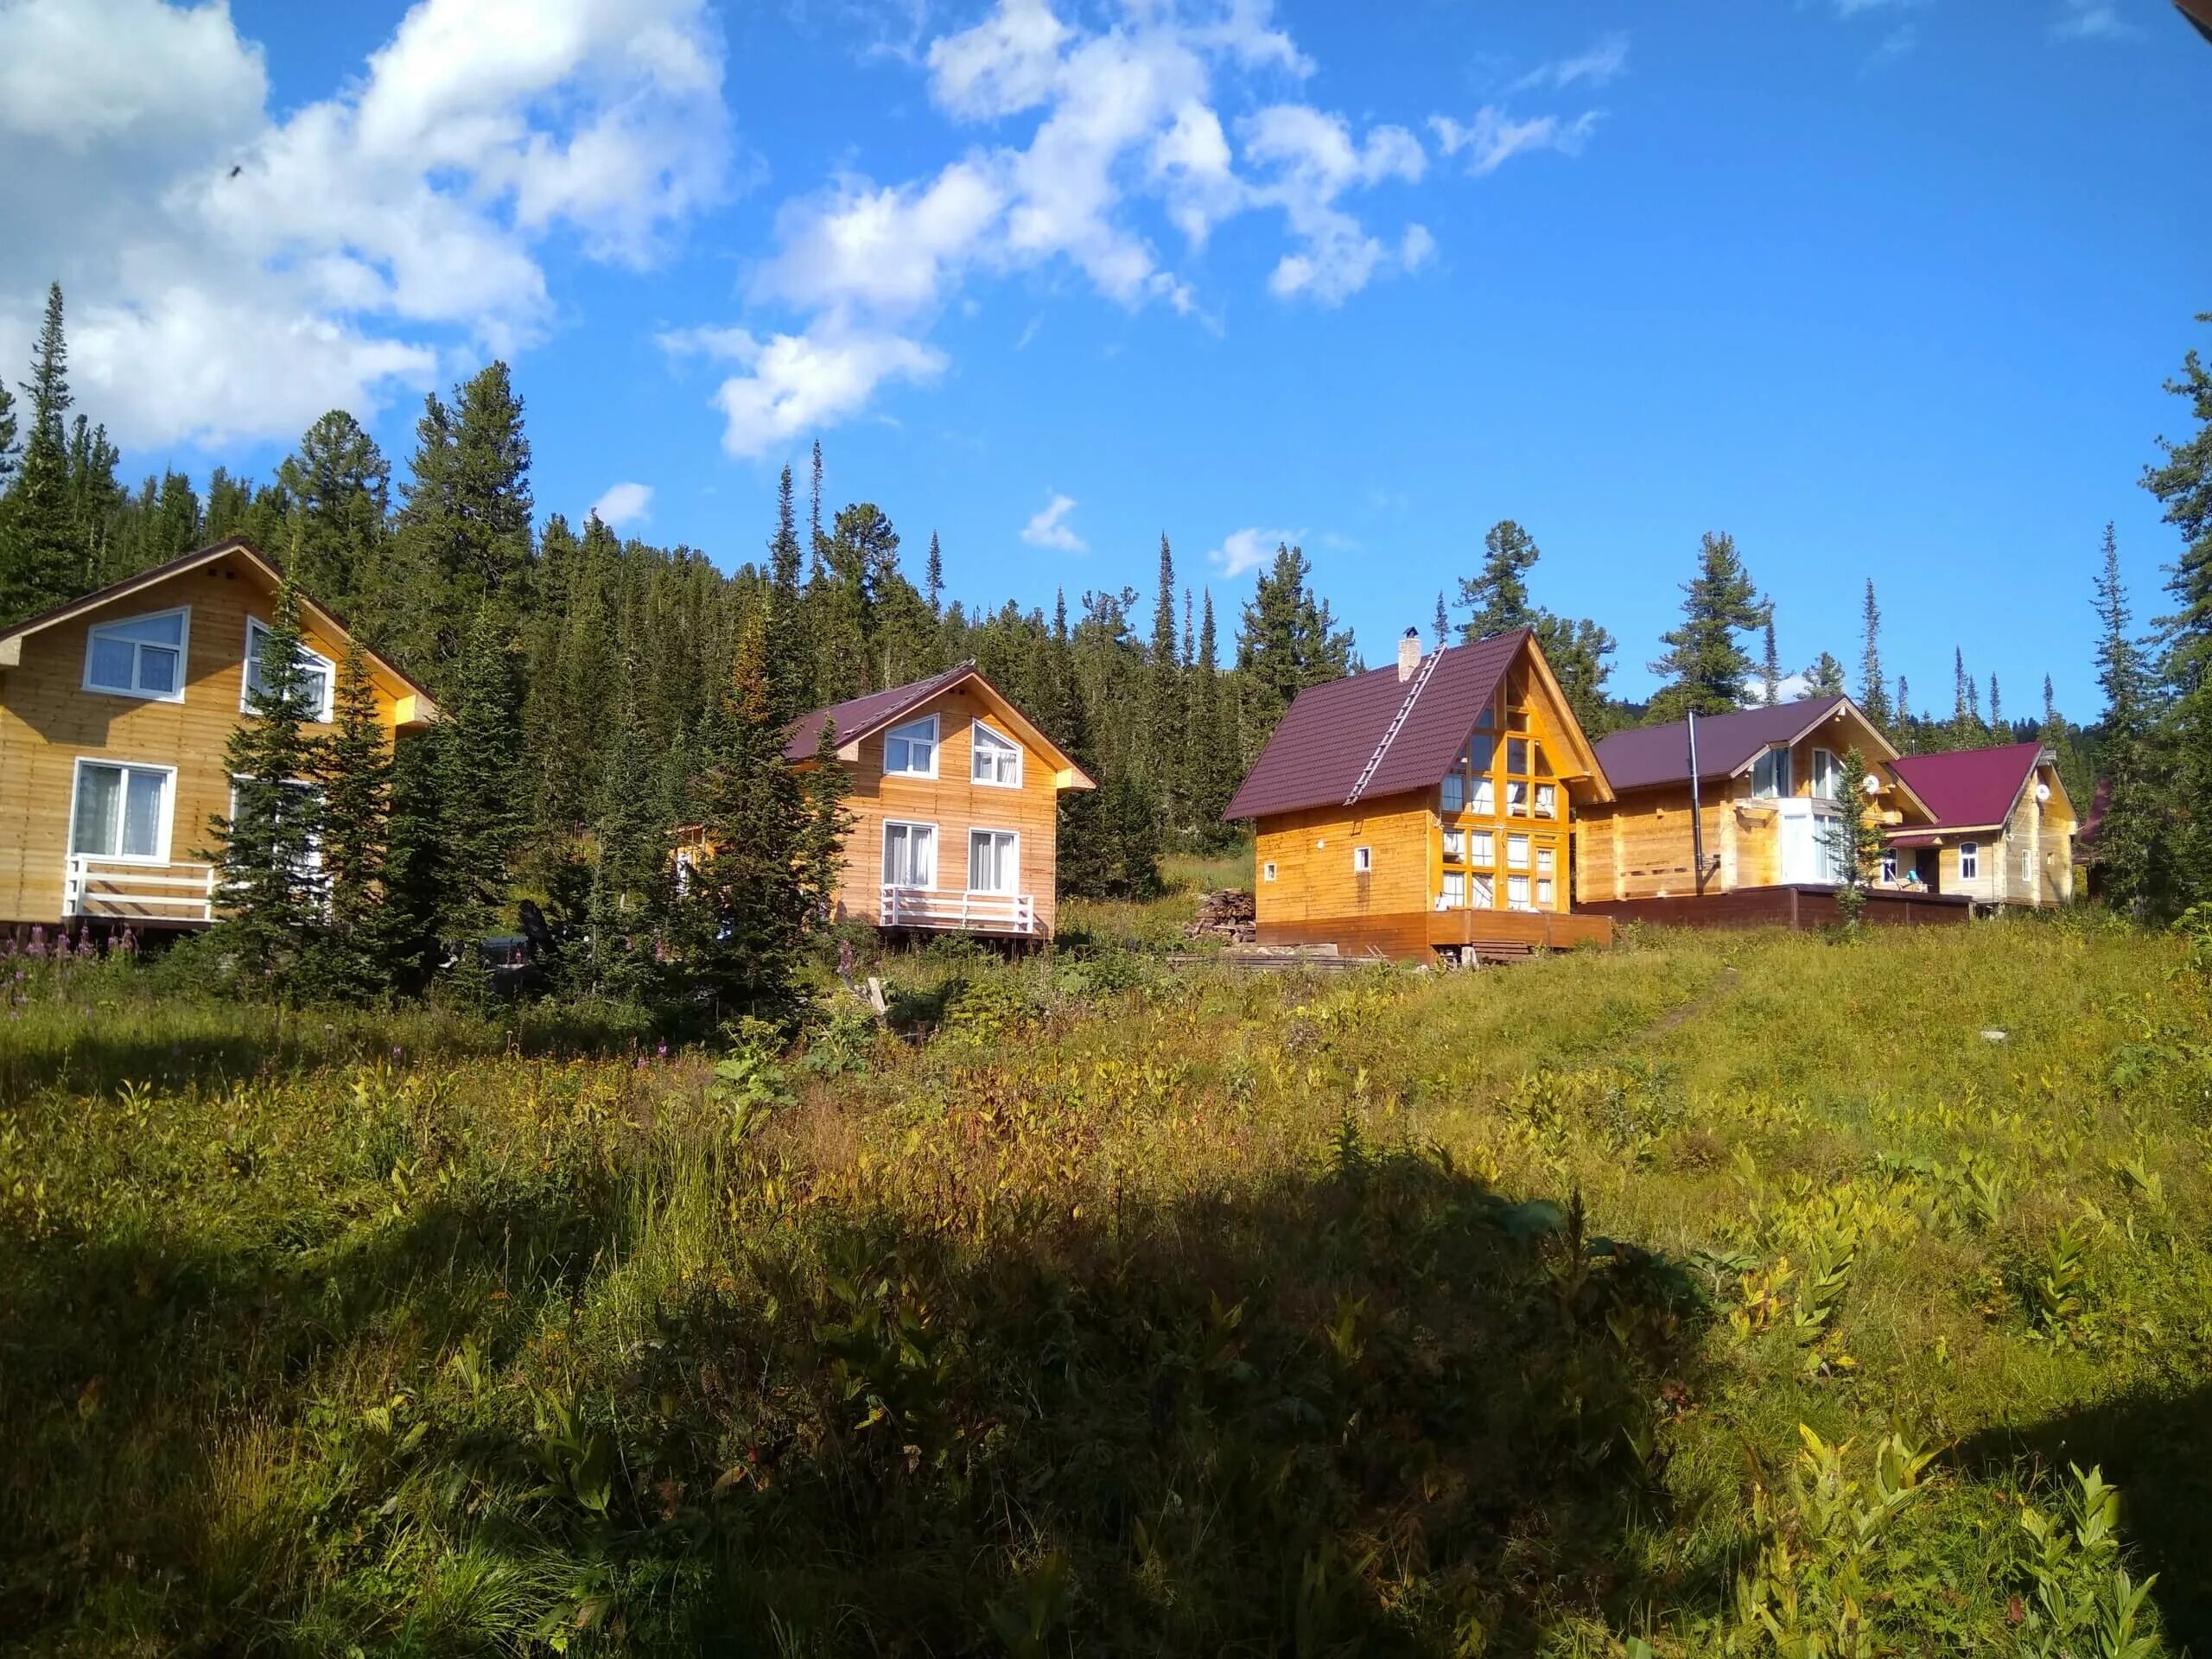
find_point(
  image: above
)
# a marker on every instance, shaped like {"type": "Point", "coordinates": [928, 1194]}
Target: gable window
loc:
{"type": "Point", "coordinates": [1481, 753]}
{"type": "Point", "coordinates": [1362, 860]}
{"type": "Point", "coordinates": [1454, 896]}
{"type": "Point", "coordinates": [997, 760]}
{"type": "Point", "coordinates": [1516, 755]}
{"type": "Point", "coordinates": [1828, 774]}
{"type": "Point", "coordinates": [994, 861]}
{"type": "Point", "coordinates": [1548, 800]}
{"type": "Point", "coordinates": [1267, 871]}
{"type": "Point", "coordinates": [909, 854]}
{"type": "Point", "coordinates": [910, 751]}
{"type": "Point", "coordinates": [121, 811]}
{"type": "Point", "coordinates": [1485, 796]}
{"type": "Point", "coordinates": [1888, 863]}
{"type": "Point", "coordinates": [140, 656]}
{"type": "Point", "coordinates": [316, 673]}
{"type": "Point", "coordinates": [1517, 798]}
{"type": "Point", "coordinates": [1969, 861]}
{"type": "Point", "coordinates": [1770, 775]}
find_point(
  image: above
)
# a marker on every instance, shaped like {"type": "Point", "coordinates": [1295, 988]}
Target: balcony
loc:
{"type": "Point", "coordinates": [138, 890]}
{"type": "Point", "coordinates": [958, 911]}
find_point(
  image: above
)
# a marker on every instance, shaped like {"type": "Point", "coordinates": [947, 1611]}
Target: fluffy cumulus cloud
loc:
{"type": "Point", "coordinates": [624, 504]}
{"type": "Point", "coordinates": [1090, 140]}
{"type": "Point", "coordinates": [1050, 528]}
{"type": "Point", "coordinates": [1244, 550]}
{"type": "Point", "coordinates": [233, 274]}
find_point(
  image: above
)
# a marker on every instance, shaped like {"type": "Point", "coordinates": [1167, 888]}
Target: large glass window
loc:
{"type": "Point", "coordinates": [910, 751]}
{"type": "Point", "coordinates": [1455, 846]}
{"type": "Point", "coordinates": [1548, 800]}
{"type": "Point", "coordinates": [316, 673]}
{"type": "Point", "coordinates": [992, 861]}
{"type": "Point", "coordinates": [142, 657]}
{"type": "Point", "coordinates": [1828, 774]}
{"type": "Point", "coordinates": [1481, 893]}
{"type": "Point", "coordinates": [1454, 896]}
{"type": "Point", "coordinates": [909, 855]}
{"type": "Point", "coordinates": [1516, 852]}
{"type": "Point", "coordinates": [1517, 893]}
{"type": "Point", "coordinates": [1770, 775]}
{"type": "Point", "coordinates": [1485, 797]}
{"type": "Point", "coordinates": [1482, 849]}
{"type": "Point", "coordinates": [1455, 790]}
{"type": "Point", "coordinates": [121, 811]}
{"type": "Point", "coordinates": [997, 759]}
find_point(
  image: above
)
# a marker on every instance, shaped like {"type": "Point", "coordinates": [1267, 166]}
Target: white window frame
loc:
{"type": "Point", "coordinates": [1546, 859]}
{"type": "Point", "coordinates": [1363, 861]}
{"type": "Point", "coordinates": [1453, 893]}
{"type": "Point", "coordinates": [1267, 871]}
{"type": "Point", "coordinates": [2028, 872]}
{"type": "Point", "coordinates": [1889, 864]}
{"type": "Point", "coordinates": [1516, 797]}
{"type": "Point", "coordinates": [1482, 890]}
{"type": "Point", "coordinates": [183, 656]}
{"type": "Point", "coordinates": [1523, 902]}
{"type": "Point", "coordinates": [254, 625]}
{"type": "Point", "coordinates": [1481, 849]}
{"type": "Point", "coordinates": [1548, 800]}
{"type": "Point", "coordinates": [1516, 844]}
{"type": "Point", "coordinates": [168, 808]}
{"type": "Point", "coordinates": [1547, 892]}
{"type": "Point", "coordinates": [883, 861]}
{"type": "Point", "coordinates": [1772, 779]}
{"type": "Point", "coordinates": [900, 733]}
{"type": "Point", "coordinates": [1969, 861]}
{"type": "Point", "coordinates": [968, 876]}
{"type": "Point", "coordinates": [1833, 769]}
{"type": "Point", "coordinates": [976, 751]}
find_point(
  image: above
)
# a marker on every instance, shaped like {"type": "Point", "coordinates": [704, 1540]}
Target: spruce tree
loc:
{"type": "Point", "coordinates": [338, 487]}
{"type": "Point", "coordinates": [1496, 597]}
{"type": "Point", "coordinates": [1288, 640]}
{"type": "Point", "coordinates": [11, 455]}
{"type": "Point", "coordinates": [2183, 485]}
{"type": "Point", "coordinates": [632, 867]}
{"type": "Point", "coordinates": [39, 555]}
{"type": "Point", "coordinates": [1824, 677]}
{"type": "Point", "coordinates": [791, 661]}
{"type": "Point", "coordinates": [1163, 713]}
{"type": "Point", "coordinates": [1706, 667]}
{"type": "Point", "coordinates": [480, 782]}
{"type": "Point", "coordinates": [826, 786]}
{"type": "Point", "coordinates": [96, 501]}
{"type": "Point", "coordinates": [1873, 687]}
{"type": "Point", "coordinates": [1441, 628]}
{"type": "Point", "coordinates": [933, 576]}
{"type": "Point", "coordinates": [1210, 771]}
{"type": "Point", "coordinates": [1771, 667]}
{"type": "Point", "coordinates": [1853, 842]}
{"type": "Point", "coordinates": [2131, 849]}
{"type": "Point", "coordinates": [1996, 710]}
{"type": "Point", "coordinates": [353, 768]}
{"type": "Point", "coordinates": [1580, 654]}
{"type": "Point", "coordinates": [268, 881]}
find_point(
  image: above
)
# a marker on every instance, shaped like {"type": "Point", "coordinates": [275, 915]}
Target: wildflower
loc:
{"type": "Point", "coordinates": [663, 1051]}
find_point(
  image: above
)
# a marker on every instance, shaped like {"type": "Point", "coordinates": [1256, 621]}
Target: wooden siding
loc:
{"type": "Point", "coordinates": [955, 805]}
{"type": "Point", "coordinates": [1313, 852]}
{"type": "Point", "coordinates": [48, 721]}
{"type": "Point", "coordinates": [1790, 906]}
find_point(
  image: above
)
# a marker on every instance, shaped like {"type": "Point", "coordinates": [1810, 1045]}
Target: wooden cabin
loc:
{"type": "Point", "coordinates": [1425, 809]}
{"type": "Point", "coordinates": [115, 711]}
{"type": "Point", "coordinates": [2002, 833]}
{"type": "Point", "coordinates": [955, 800]}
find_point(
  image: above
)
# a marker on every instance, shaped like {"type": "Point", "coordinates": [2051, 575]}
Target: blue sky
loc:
{"type": "Point", "coordinates": [1881, 288]}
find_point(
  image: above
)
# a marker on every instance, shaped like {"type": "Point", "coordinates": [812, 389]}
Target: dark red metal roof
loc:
{"type": "Point", "coordinates": [1969, 789]}
{"type": "Point", "coordinates": [1330, 732]}
{"type": "Point", "coordinates": [858, 716]}
{"type": "Point", "coordinates": [1651, 755]}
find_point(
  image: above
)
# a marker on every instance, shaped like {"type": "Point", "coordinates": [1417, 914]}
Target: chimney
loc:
{"type": "Point", "coordinates": [1408, 654]}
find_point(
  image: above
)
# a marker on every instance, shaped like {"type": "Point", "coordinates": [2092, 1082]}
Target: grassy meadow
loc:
{"type": "Point", "coordinates": [1718, 1294]}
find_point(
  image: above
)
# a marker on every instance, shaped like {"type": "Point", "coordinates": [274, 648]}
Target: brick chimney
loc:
{"type": "Point", "coordinates": [1408, 654]}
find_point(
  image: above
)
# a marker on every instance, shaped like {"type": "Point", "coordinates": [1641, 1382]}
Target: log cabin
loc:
{"type": "Point", "coordinates": [2002, 833]}
{"type": "Point", "coordinates": [115, 711]}
{"type": "Point", "coordinates": [1425, 809]}
{"type": "Point", "coordinates": [955, 802]}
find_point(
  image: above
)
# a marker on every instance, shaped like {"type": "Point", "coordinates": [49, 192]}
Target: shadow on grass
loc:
{"type": "Point", "coordinates": [2157, 1449]}
{"type": "Point", "coordinates": [1372, 1411]}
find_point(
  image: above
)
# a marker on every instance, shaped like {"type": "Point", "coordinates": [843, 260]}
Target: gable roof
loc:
{"type": "Point", "coordinates": [325, 619]}
{"type": "Point", "coordinates": [1971, 789]}
{"type": "Point", "coordinates": [1336, 742]}
{"type": "Point", "coordinates": [857, 719]}
{"type": "Point", "coordinates": [1651, 755]}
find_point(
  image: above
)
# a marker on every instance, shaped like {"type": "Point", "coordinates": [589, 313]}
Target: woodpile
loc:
{"type": "Point", "coordinates": [1225, 915]}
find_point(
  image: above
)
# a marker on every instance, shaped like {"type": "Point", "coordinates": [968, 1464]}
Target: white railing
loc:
{"type": "Point", "coordinates": [981, 913]}
{"type": "Point", "coordinates": [132, 890]}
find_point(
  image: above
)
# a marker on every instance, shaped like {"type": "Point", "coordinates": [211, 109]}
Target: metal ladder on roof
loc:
{"type": "Point", "coordinates": [1375, 761]}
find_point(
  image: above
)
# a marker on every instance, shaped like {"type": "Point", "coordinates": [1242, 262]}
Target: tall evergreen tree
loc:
{"type": "Point", "coordinates": [1874, 687]}
{"type": "Point", "coordinates": [1996, 708]}
{"type": "Point", "coordinates": [1288, 640]}
{"type": "Point", "coordinates": [1771, 667]}
{"type": "Point", "coordinates": [352, 768]}
{"type": "Point", "coordinates": [1209, 769]}
{"type": "Point", "coordinates": [480, 787]}
{"type": "Point", "coordinates": [1824, 677]}
{"type": "Point", "coordinates": [2131, 848]}
{"type": "Point", "coordinates": [934, 574]}
{"type": "Point", "coordinates": [2183, 485]}
{"type": "Point", "coordinates": [1441, 628]}
{"type": "Point", "coordinates": [791, 667]}
{"type": "Point", "coordinates": [632, 855]}
{"type": "Point", "coordinates": [1579, 653]}
{"type": "Point", "coordinates": [39, 555]}
{"type": "Point", "coordinates": [95, 500]}
{"type": "Point", "coordinates": [1496, 597]}
{"type": "Point", "coordinates": [338, 486]}
{"type": "Point", "coordinates": [1706, 666]}
{"type": "Point", "coordinates": [10, 454]}
{"type": "Point", "coordinates": [1164, 730]}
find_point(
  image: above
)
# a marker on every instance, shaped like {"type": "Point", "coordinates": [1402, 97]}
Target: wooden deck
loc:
{"type": "Point", "coordinates": [1785, 906]}
{"type": "Point", "coordinates": [1420, 936]}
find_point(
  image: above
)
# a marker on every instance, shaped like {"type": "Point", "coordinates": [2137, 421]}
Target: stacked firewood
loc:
{"type": "Point", "coordinates": [1228, 915]}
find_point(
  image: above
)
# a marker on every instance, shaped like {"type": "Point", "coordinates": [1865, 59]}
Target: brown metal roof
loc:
{"type": "Point", "coordinates": [857, 718]}
{"type": "Point", "coordinates": [1330, 732]}
{"type": "Point", "coordinates": [1725, 743]}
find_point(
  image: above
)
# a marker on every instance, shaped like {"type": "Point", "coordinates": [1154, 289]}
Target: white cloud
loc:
{"type": "Point", "coordinates": [1243, 550]}
{"type": "Point", "coordinates": [1494, 138]}
{"type": "Point", "coordinates": [796, 384]}
{"type": "Point", "coordinates": [2091, 19]}
{"type": "Point", "coordinates": [624, 504]}
{"type": "Point", "coordinates": [1050, 528]}
{"type": "Point", "coordinates": [1086, 126]}
{"type": "Point", "coordinates": [1605, 60]}
{"type": "Point", "coordinates": [232, 274]}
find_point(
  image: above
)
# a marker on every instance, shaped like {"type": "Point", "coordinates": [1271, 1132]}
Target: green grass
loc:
{"type": "Point", "coordinates": [1716, 1294]}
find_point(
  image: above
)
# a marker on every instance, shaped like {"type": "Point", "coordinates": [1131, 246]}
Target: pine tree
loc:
{"type": "Point", "coordinates": [1706, 667]}
{"type": "Point", "coordinates": [1163, 714]}
{"type": "Point", "coordinates": [1824, 677]}
{"type": "Point", "coordinates": [841, 600]}
{"type": "Point", "coordinates": [933, 576]}
{"type": "Point", "coordinates": [269, 883]}
{"type": "Point", "coordinates": [1873, 687]}
{"type": "Point", "coordinates": [96, 500]}
{"type": "Point", "coordinates": [1853, 842]}
{"type": "Point", "coordinates": [1210, 760]}
{"type": "Point", "coordinates": [489, 549]}
{"type": "Point", "coordinates": [1442, 626]}
{"type": "Point", "coordinates": [354, 769]}
{"type": "Point", "coordinates": [338, 487]}
{"type": "Point", "coordinates": [1996, 708]}
{"type": "Point", "coordinates": [790, 668]}
{"type": "Point", "coordinates": [1496, 597]}
{"type": "Point", "coordinates": [826, 785]}
{"type": "Point", "coordinates": [2183, 485]}
{"type": "Point", "coordinates": [479, 782]}
{"type": "Point", "coordinates": [2131, 849]}
{"type": "Point", "coordinates": [1770, 666]}
{"type": "Point", "coordinates": [1578, 652]}
{"type": "Point", "coordinates": [1288, 640]}
{"type": "Point", "coordinates": [39, 555]}
{"type": "Point", "coordinates": [632, 862]}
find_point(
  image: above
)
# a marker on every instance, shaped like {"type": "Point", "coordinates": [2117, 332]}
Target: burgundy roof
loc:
{"type": "Point", "coordinates": [1661, 754]}
{"type": "Point", "coordinates": [1330, 732]}
{"type": "Point", "coordinates": [858, 716]}
{"type": "Point", "coordinates": [1969, 788]}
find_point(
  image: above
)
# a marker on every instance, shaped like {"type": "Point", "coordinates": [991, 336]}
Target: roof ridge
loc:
{"type": "Point", "coordinates": [1398, 723]}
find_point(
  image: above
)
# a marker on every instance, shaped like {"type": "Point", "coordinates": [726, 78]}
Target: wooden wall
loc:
{"type": "Point", "coordinates": [1793, 906]}
{"type": "Point", "coordinates": [1315, 880]}
{"type": "Point", "coordinates": [955, 804]}
{"type": "Point", "coordinates": [47, 721]}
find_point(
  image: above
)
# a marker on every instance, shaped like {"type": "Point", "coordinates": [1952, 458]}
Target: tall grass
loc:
{"type": "Point", "coordinates": [1715, 1294]}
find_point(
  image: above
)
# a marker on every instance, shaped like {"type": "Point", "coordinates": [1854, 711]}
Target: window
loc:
{"type": "Point", "coordinates": [1888, 863]}
{"type": "Point", "coordinates": [1362, 860]}
{"type": "Point", "coordinates": [1544, 891]}
{"type": "Point", "coordinates": [1548, 800]}
{"type": "Point", "coordinates": [1481, 753]}
{"type": "Point", "coordinates": [1454, 896]}
{"type": "Point", "coordinates": [1484, 849]}
{"type": "Point", "coordinates": [2027, 867]}
{"type": "Point", "coordinates": [295, 791]}
{"type": "Point", "coordinates": [997, 759]}
{"type": "Point", "coordinates": [1969, 861]}
{"type": "Point", "coordinates": [1455, 790]}
{"type": "Point", "coordinates": [909, 854]}
{"type": "Point", "coordinates": [1770, 775]}
{"type": "Point", "coordinates": [1455, 846]}
{"type": "Point", "coordinates": [142, 656]}
{"type": "Point", "coordinates": [1267, 871]}
{"type": "Point", "coordinates": [1516, 852]}
{"type": "Point", "coordinates": [1517, 798]}
{"type": "Point", "coordinates": [1828, 774]}
{"type": "Point", "coordinates": [910, 751]}
{"type": "Point", "coordinates": [1546, 859]}
{"type": "Point", "coordinates": [1481, 893]}
{"type": "Point", "coordinates": [1485, 796]}
{"type": "Point", "coordinates": [121, 812]}
{"type": "Point", "coordinates": [1517, 893]}
{"type": "Point", "coordinates": [1487, 718]}
{"type": "Point", "coordinates": [993, 862]}
{"type": "Point", "coordinates": [1516, 756]}
{"type": "Point", "coordinates": [316, 674]}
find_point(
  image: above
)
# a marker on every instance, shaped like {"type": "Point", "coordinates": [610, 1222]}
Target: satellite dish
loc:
{"type": "Point", "coordinates": [1874, 785]}
{"type": "Point", "coordinates": [2042, 791]}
